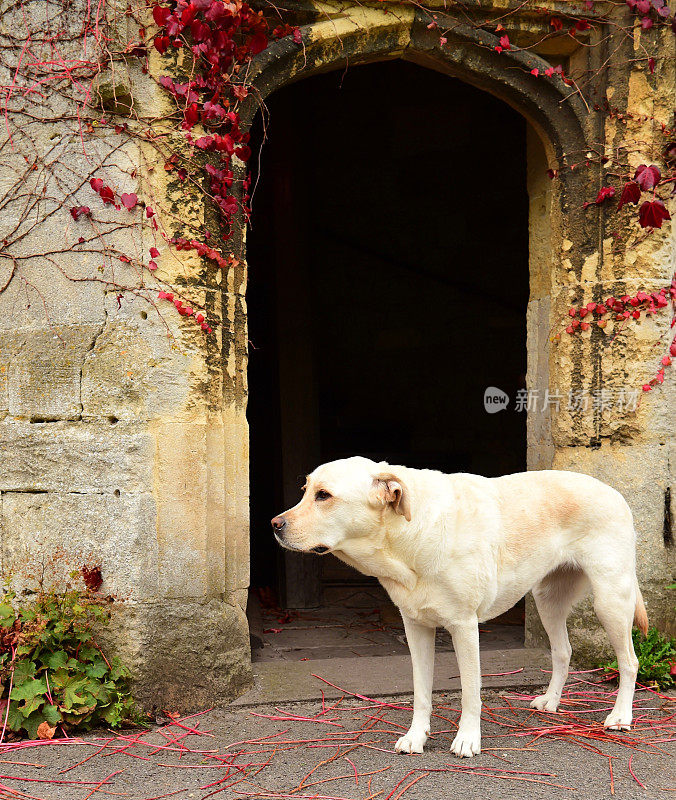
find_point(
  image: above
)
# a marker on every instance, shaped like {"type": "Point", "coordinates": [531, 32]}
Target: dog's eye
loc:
{"type": "Point", "coordinates": [322, 495]}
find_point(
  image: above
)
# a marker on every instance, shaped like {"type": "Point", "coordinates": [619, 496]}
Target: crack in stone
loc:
{"type": "Point", "coordinates": [89, 350]}
{"type": "Point", "coordinates": [50, 491]}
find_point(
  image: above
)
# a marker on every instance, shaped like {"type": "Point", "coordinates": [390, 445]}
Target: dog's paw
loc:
{"type": "Point", "coordinates": [467, 743]}
{"type": "Point", "coordinates": [412, 742]}
{"type": "Point", "coordinates": [618, 721]}
{"type": "Point", "coordinates": [545, 702]}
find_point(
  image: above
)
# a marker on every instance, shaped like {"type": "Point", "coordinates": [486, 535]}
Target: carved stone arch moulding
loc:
{"type": "Point", "coordinates": [560, 130]}
{"type": "Point", "coordinates": [358, 35]}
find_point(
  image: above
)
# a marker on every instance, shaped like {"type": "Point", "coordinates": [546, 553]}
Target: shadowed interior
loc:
{"type": "Point", "coordinates": [388, 269]}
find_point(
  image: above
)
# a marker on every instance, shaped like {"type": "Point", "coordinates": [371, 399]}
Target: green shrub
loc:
{"type": "Point", "coordinates": [656, 653]}
{"type": "Point", "coordinates": [57, 672]}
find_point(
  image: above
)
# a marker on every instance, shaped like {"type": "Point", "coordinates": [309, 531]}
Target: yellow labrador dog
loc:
{"type": "Point", "coordinates": [455, 550]}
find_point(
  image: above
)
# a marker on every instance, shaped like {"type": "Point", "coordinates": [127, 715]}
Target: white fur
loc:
{"type": "Point", "coordinates": [472, 548]}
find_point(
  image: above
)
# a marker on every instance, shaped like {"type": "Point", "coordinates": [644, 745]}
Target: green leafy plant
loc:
{"type": "Point", "coordinates": [52, 671]}
{"type": "Point", "coordinates": [656, 655]}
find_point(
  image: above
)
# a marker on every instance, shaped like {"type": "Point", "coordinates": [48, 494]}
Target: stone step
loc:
{"type": "Point", "coordinates": [380, 676]}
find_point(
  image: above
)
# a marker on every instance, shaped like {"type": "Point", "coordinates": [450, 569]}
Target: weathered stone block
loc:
{"type": "Point", "coordinates": [59, 302]}
{"type": "Point", "coordinates": [183, 510]}
{"type": "Point", "coordinates": [135, 373]}
{"type": "Point", "coordinates": [116, 533]}
{"type": "Point", "coordinates": [64, 457]}
{"type": "Point", "coordinates": [43, 369]}
{"type": "Point", "coordinates": [539, 434]}
{"type": "Point", "coordinates": [184, 655]}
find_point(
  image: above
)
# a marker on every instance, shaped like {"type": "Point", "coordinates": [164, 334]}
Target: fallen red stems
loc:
{"type": "Point", "coordinates": [352, 764]}
{"type": "Point", "coordinates": [408, 785]}
{"type": "Point", "coordinates": [370, 724]}
{"type": "Point", "coordinates": [105, 780]}
{"type": "Point", "coordinates": [362, 697]}
{"type": "Point", "coordinates": [633, 774]}
{"type": "Point", "coordinates": [9, 698]}
{"type": "Point", "coordinates": [498, 674]}
{"type": "Point", "coordinates": [295, 719]}
{"type": "Point", "coordinates": [46, 780]}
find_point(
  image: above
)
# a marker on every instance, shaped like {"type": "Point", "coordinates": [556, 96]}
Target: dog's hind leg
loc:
{"type": "Point", "coordinates": [615, 603]}
{"type": "Point", "coordinates": [555, 595]}
{"type": "Point", "coordinates": [421, 644]}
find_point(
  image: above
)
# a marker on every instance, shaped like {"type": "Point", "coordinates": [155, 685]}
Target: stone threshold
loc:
{"type": "Point", "coordinates": [381, 676]}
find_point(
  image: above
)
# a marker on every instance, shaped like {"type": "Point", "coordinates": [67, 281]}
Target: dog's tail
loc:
{"type": "Point", "coordinates": [640, 614]}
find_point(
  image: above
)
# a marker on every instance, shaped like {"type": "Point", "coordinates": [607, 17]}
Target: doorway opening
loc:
{"type": "Point", "coordinates": [388, 283]}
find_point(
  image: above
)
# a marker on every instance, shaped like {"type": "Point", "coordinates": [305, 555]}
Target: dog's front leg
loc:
{"type": "Point", "coordinates": [467, 742]}
{"type": "Point", "coordinates": [421, 644]}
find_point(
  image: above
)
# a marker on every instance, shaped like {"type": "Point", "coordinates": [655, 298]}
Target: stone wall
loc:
{"type": "Point", "coordinates": [123, 440]}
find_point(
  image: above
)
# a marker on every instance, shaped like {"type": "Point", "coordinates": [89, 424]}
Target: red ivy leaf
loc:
{"type": "Point", "coordinates": [243, 152]}
{"type": "Point", "coordinates": [77, 211]}
{"type": "Point", "coordinates": [258, 43]}
{"type": "Point", "coordinates": [92, 577]}
{"type": "Point", "coordinates": [129, 201]}
{"type": "Point", "coordinates": [605, 193]}
{"type": "Point", "coordinates": [96, 184]}
{"type": "Point", "coordinates": [647, 177]}
{"type": "Point", "coordinates": [161, 44]}
{"type": "Point", "coordinates": [154, 252]}
{"type": "Point", "coordinates": [161, 15]}
{"type": "Point", "coordinates": [631, 193]}
{"type": "Point", "coordinates": [107, 195]}
{"type": "Point", "coordinates": [652, 214]}
{"type": "Point", "coordinates": [190, 117]}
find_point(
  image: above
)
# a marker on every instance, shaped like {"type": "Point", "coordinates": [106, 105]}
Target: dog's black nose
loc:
{"type": "Point", "coordinates": [278, 524]}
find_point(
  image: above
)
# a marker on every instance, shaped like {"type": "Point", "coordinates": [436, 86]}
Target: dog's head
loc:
{"type": "Point", "coordinates": [342, 500]}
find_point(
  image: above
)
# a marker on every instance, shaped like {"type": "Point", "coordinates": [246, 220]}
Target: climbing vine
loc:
{"type": "Point", "coordinates": [85, 68]}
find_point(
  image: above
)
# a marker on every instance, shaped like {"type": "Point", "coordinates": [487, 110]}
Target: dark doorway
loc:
{"type": "Point", "coordinates": [388, 283]}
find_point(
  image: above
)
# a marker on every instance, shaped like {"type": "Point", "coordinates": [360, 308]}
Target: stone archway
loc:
{"type": "Point", "coordinates": [556, 128]}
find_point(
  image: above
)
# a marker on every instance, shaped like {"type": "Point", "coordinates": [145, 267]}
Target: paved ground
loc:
{"type": "Point", "coordinates": [343, 749]}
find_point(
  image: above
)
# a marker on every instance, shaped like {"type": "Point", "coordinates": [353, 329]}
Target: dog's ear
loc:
{"type": "Point", "coordinates": [390, 490]}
